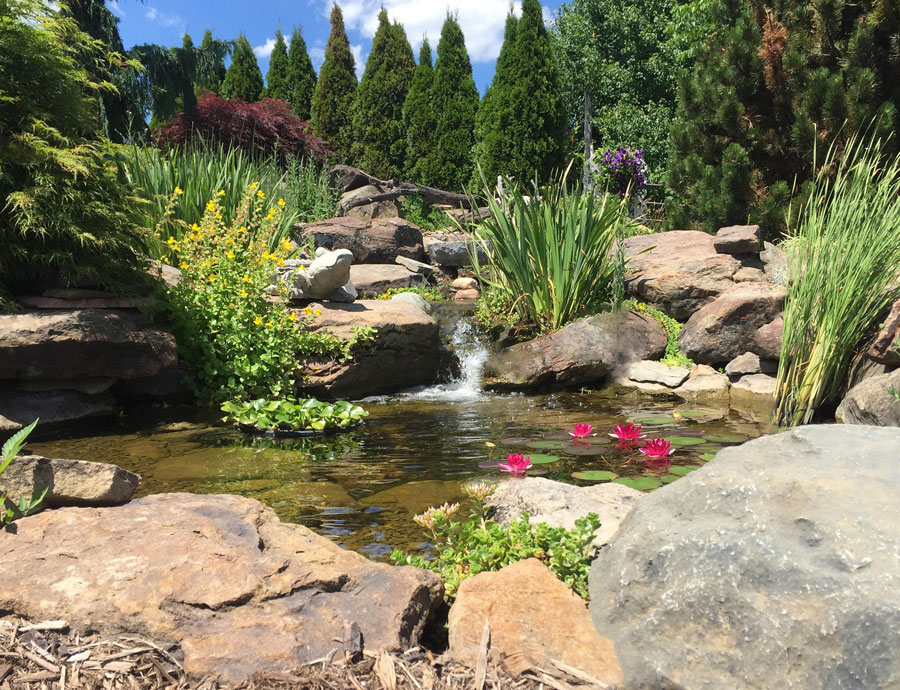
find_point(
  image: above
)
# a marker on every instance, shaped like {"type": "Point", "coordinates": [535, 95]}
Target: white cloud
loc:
{"type": "Point", "coordinates": [482, 21]}
{"type": "Point", "coordinates": [173, 21]}
{"type": "Point", "coordinates": [360, 58]}
{"type": "Point", "coordinates": [114, 7]}
{"type": "Point", "coordinates": [265, 50]}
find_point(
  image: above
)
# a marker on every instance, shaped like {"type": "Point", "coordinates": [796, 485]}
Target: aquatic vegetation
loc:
{"type": "Point", "coordinates": [627, 432]}
{"type": "Point", "coordinates": [290, 414]}
{"type": "Point", "coordinates": [657, 448]}
{"type": "Point", "coordinates": [582, 431]}
{"type": "Point", "coordinates": [24, 507]}
{"type": "Point", "coordinates": [516, 464]}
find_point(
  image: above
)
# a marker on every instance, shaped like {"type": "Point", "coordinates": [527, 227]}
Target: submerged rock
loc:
{"type": "Point", "coordinates": [584, 353]}
{"type": "Point", "coordinates": [777, 562]}
{"type": "Point", "coordinates": [533, 620]}
{"type": "Point", "coordinates": [219, 576]}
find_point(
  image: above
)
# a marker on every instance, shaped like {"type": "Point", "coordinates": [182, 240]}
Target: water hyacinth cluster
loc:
{"type": "Point", "coordinates": [626, 169]}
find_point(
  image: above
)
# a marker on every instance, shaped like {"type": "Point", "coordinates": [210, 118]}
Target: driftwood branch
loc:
{"type": "Point", "coordinates": [397, 189]}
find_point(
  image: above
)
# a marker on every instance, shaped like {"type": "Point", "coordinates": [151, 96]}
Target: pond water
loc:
{"type": "Point", "coordinates": [362, 488]}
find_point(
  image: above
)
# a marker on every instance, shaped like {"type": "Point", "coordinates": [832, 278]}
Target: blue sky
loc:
{"type": "Point", "coordinates": [165, 22]}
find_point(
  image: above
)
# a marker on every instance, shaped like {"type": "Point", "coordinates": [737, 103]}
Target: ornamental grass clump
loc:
{"type": "Point", "coordinates": [550, 253]}
{"type": "Point", "coordinates": [244, 343]}
{"type": "Point", "coordinates": [846, 264]}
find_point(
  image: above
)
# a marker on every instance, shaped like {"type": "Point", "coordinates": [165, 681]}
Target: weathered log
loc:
{"type": "Point", "coordinates": [397, 189]}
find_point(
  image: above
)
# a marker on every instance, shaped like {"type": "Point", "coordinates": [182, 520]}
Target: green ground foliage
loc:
{"type": "Point", "coordinates": [65, 213]}
{"type": "Point", "coordinates": [332, 101]}
{"type": "Point", "coordinates": [769, 84]}
{"type": "Point", "coordinates": [278, 83]}
{"type": "Point", "coordinates": [454, 99]}
{"type": "Point", "coordinates": [301, 76]}
{"type": "Point", "coordinates": [379, 144]}
{"type": "Point", "coordinates": [211, 63]}
{"type": "Point", "coordinates": [419, 119]}
{"type": "Point", "coordinates": [243, 79]}
{"type": "Point", "coordinates": [673, 356]}
{"type": "Point", "coordinates": [536, 122]}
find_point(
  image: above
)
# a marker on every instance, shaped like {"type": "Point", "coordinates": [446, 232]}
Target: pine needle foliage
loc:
{"type": "Point", "coordinates": [211, 63]}
{"type": "Point", "coordinates": [379, 145]}
{"type": "Point", "coordinates": [243, 80]}
{"type": "Point", "coordinates": [301, 76]}
{"type": "Point", "coordinates": [847, 257]}
{"type": "Point", "coordinates": [454, 99]}
{"type": "Point", "coordinates": [419, 120]}
{"type": "Point", "coordinates": [64, 212]}
{"type": "Point", "coordinates": [332, 102]}
{"type": "Point", "coordinates": [278, 84]}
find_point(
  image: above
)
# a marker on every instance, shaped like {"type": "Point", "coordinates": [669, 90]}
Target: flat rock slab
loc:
{"type": "Point", "coordinates": [648, 371]}
{"type": "Point", "coordinates": [54, 408]}
{"type": "Point", "coordinates": [738, 239]}
{"type": "Point", "coordinates": [754, 393]}
{"type": "Point", "coordinates": [407, 350]}
{"type": "Point", "coordinates": [67, 482]}
{"type": "Point", "coordinates": [584, 353]}
{"type": "Point", "coordinates": [750, 363]}
{"type": "Point", "coordinates": [87, 303]}
{"type": "Point", "coordinates": [705, 385]}
{"type": "Point", "coordinates": [776, 564]}
{"type": "Point", "coordinates": [678, 272]}
{"type": "Point", "coordinates": [58, 345]}
{"type": "Point", "coordinates": [220, 576]}
{"type": "Point", "coordinates": [870, 402]}
{"type": "Point", "coordinates": [560, 505]}
{"type": "Point", "coordinates": [534, 619]}
{"type": "Point", "coordinates": [375, 279]}
{"type": "Point", "coordinates": [378, 241]}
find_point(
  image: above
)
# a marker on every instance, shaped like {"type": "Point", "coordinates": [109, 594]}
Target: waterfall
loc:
{"type": "Point", "coordinates": [472, 354]}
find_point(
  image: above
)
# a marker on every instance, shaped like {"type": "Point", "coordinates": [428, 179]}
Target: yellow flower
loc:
{"type": "Point", "coordinates": [212, 277]}
{"type": "Point", "coordinates": [243, 293]}
{"type": "Point", "coordinates": [246, 279]}
{"type": "Point", "coordinates": [254, 185]}
{"type": "Point", "coordinates": [184, 265]}
{"type": "Point", "coordinates": [281, 262]}
{"type": "Point", "coordinates": [195, 227]}
{"type": "Point", "coordinates": [293, 316]}
{"type": "Point", "coordinates": [260, 194]}
{"type": "Point", "coordinates": [318, 312]}
{"type": "Point", "coordinates": [221, 192]}
{"type": "Point", "coordinates": [307, 311]}
{"type": "Point", "coordinates": [243, 230]}
{"type": "Point", "coordinates": [170, 241]}
{"type": "Point", "coordinates": [230, 241]}
{"type": "Point", "coordinates": [269, 324]}
{"type": "Point", "coordinates": [230, 255]}
{"type": "Point", "coordinates": [165, 259]}
{"type": "Point", "coordinates": [210, 205]}
{"type": "Point", "coordinates": [178, 191]}
{"type": "Point", "coordinates": [257, 321]}
{"type": "Point", "coordinates": [281, 202]}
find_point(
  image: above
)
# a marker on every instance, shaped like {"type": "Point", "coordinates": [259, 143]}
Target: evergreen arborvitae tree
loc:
{"type": "Point", "coordinates": [278, 83]}
{"type": "Point", "coordinates": [332, 102]}
{"type": "Point", "coordinates": [188, 59]}
{"type": "Point", "coordinates": [454, 99]}
{"type": "Point", "coordinates": [769, 86]}
{"type": "Point", "coordinates": [301, 76]}
{"type": "Point", "coordinates": [211, 63]}
{"type": "Point", "coordinates": [379, 145]}
{"type": "Point", "coordinates": [419, 119]}
{"type": "Point", "coordinates": [493, 135]}
{"type": "Point", "coordinates": [244, 78]}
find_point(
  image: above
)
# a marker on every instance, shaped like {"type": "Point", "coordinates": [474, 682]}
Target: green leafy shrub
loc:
{"type": "Point", "coordinates": [11, 449]}
{"type": "Point", "coordinates": [65, 213]}
{"type": "Point", "coordinates": [466, 548]}
{"type": "Point", "coordinates": [416, 210]}
{"type": "Point", "coordinates": [550, 254]}
{"type": "Point", "coordinates": [291, 414]}
{"type": "Point", "coordinates": [244, 344]}
{"type": "Point", "coordinates": [674, 356]}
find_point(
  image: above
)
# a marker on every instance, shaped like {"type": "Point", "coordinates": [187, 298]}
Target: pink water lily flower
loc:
{"type": "Point", "coordinates": [627, 432]}
{"type": "Point", "coordinates": [516, 464]}
{"type": "Point", "coordinates": [582, 431]}
{"type": "Point", "coordinates": [657, 448]}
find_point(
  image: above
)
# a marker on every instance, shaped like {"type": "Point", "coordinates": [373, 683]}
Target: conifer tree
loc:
{"type": "Point", "coordinates": [332, 101]}
{"type": "Point", "coordinates": [188, 59]}
{"type": "Point", "coordinates": [211, 63]}
{"type": "Point", "coordinates": [419, 119]}
{"type": "Point", "coordinates": [493, 136]}
{"type": "Point", "coordinates": [278, 83]}
{"type": "Point", "coordinates": [454, 99]}
{"type": "Point", "coordinates": [243, 79]}
{"type": "Point", "coordinates": [769, 86]}
{"type": "Point", "coordinates": [379, 145]}
{"type": "Point", "coordinates": [301, 76]}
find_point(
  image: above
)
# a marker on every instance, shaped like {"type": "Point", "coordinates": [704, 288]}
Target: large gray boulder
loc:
{"type": "Point", "coordinates": [375, 279]}
{"type": "Point", "coordinates": [872, 402]}
{"type": "Point", "coordinates": [775, 565]}
{"type": "Point", "coordinates": [455, 253]}
{"type": "Point", "coordinates": [584, 353]}
{"type": "Point", "coordinates": [235, 590]}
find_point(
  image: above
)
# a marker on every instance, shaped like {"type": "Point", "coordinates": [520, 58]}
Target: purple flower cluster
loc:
{"type": "Point", "coordinates": [625, 166]}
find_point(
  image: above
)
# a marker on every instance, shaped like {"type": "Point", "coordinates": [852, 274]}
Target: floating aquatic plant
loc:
{"type": "Point", "coordinates": [582, 431]}
{"type": "Point", "coordinates": [516, 464]}
{"type": "Point", "coordinates": [627, 432]}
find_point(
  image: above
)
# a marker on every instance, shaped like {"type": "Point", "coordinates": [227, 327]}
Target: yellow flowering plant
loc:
{"type": "Point", "coordinates": [245, 343]}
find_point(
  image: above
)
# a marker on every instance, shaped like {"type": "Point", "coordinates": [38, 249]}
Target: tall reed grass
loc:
{"type": "Point", "coordinates": [204, 170]}
{"type": "Point", "coordinates": [845, 260]}
{"type": "Point", "coordinates": [551, 252]}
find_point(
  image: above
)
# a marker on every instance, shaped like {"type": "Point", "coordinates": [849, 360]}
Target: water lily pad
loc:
{"type": "Point", "coordinates": [693, 414]}
{"type": "Point", "coordinates": [541, 459]}
{"type": "Point", "coordinates": [595, 475]}
{"type": "Point", "coordinates": [681, 470]}
{"type": "Point", "coordinates": [706, 457]}
{"type": "Point", "coordinates": [684, 440]}
{"type": "Point", "coordinates": [515, 441]}
{"type": "Point", "coordinates": [489, 464]}
{"type": "Point", "coordinates": [639, 483]}
{"type": "Point", "coordinates": [655, 420]}
{"type": "Point", "coordinates": [726, 438]}
{"type": "Point", "coordinates": [549, 445]}
{"type": "Point", "coordinates": [669, 478]}
{"type": "Point", "coordinates": [587, 449]}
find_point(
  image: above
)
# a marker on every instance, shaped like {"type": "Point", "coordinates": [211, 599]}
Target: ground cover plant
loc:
{"type": "Point", "coordinates": [550, 257]}
{"type": "Point", "coordinates": [291, 414]}
{"type": "Point", "coordinates": [468, 547]}
{"type": "Point", "coordinates": [244, 344]}
{"type": "Point", "coordinates": [846, 256]}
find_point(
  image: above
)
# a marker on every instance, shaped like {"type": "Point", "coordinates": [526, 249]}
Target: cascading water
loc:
{"type": "Point", "coordinates": [472, 354]}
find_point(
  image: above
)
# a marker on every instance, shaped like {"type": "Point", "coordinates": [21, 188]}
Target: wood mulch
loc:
{"type": "Point", "coordinates": [48, 656]}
